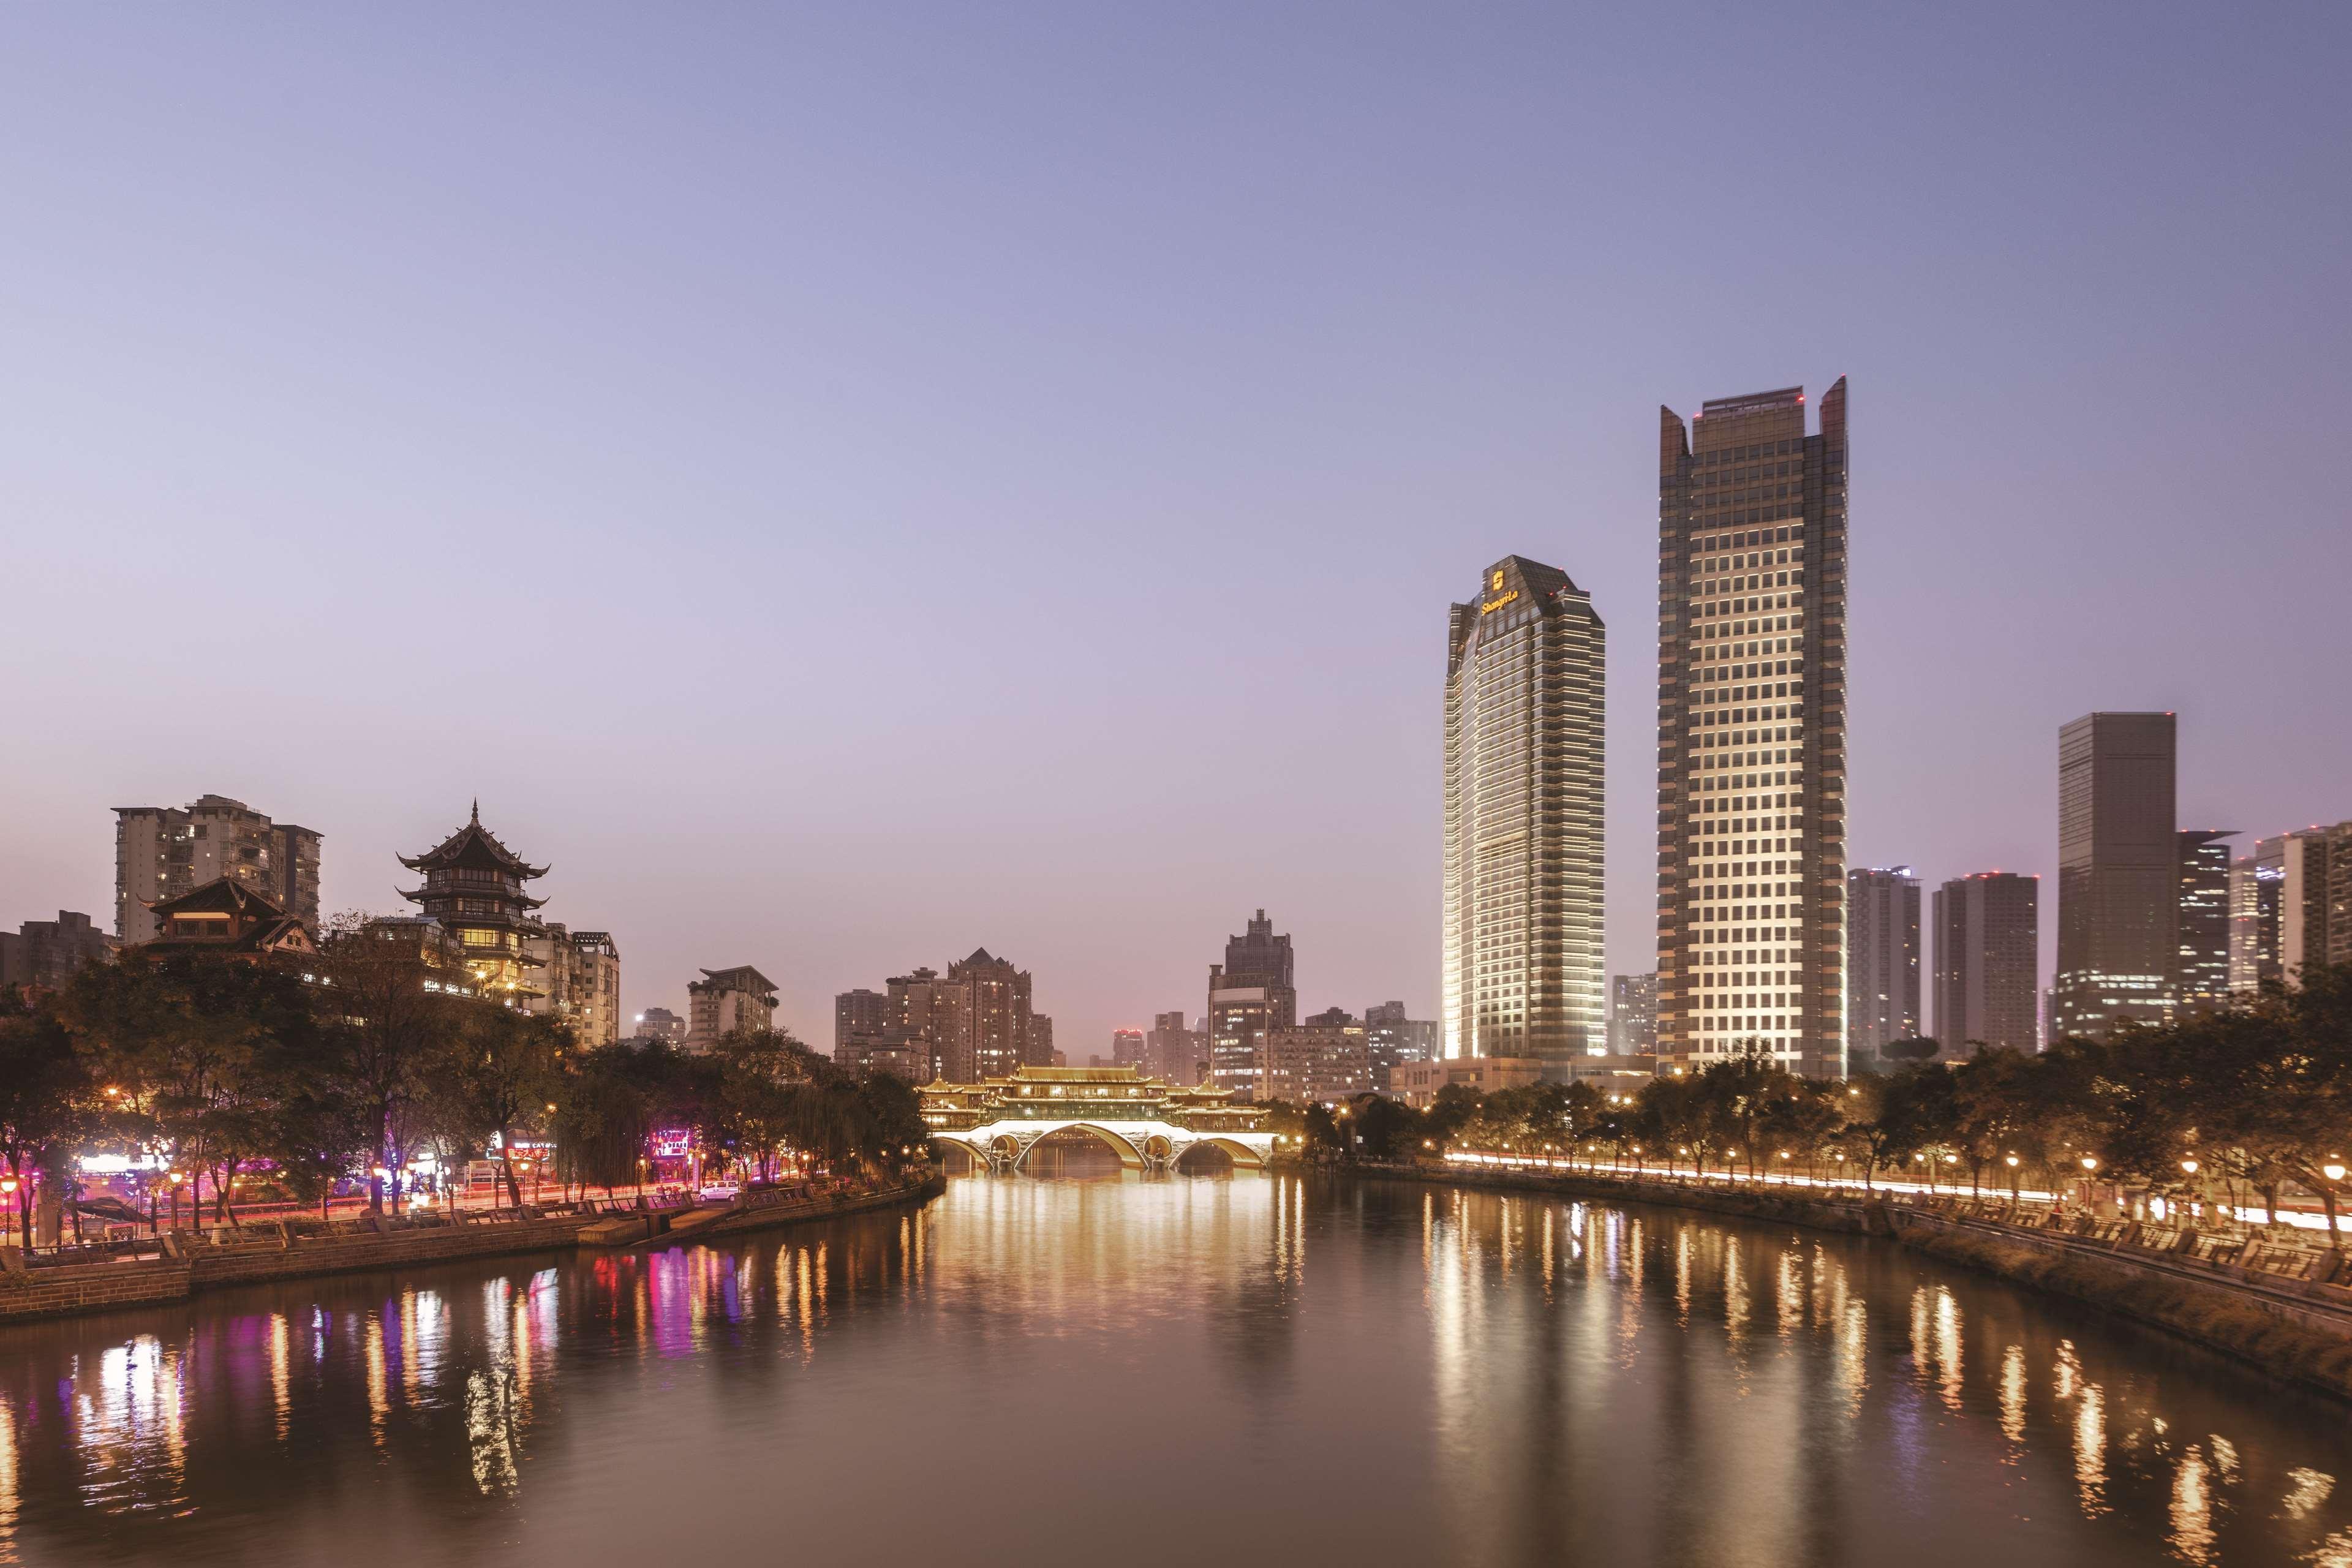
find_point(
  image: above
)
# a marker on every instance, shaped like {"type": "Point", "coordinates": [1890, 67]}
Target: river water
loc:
{"type": "Point", "coordinates": [1191, 1370]}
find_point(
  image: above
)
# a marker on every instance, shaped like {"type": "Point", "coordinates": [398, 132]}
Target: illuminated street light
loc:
{"type": "Point", "coordinates": [2011, 1159]}
{"type": "Point", "coordinates": [2334, 1169]}
{"type": "Point", "coordinates": [2090, 1161]}
{"type": "Point", "coordinates": [2190, 1166]}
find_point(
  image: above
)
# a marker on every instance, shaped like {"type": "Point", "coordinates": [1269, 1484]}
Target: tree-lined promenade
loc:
{"type": "Point", "coordinates": [2253, 1099]}
{"type": "Point", "coordinates": [287, 1078]}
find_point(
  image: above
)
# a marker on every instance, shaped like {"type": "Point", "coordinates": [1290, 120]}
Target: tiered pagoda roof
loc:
{"type": "Point", "coordinates": [473, 848]}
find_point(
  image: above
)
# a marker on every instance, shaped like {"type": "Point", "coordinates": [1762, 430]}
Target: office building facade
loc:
{"type": "Point", "coordinates": [1174, 1053]}
{"type": "Point", "coordinates": [1881, 963]}
{"type": "Point", "coordinates": [1634, 1015]}
{"type": "Point", "coordinates": [1253, 990]}
{"type": "Point", "coordinates": [2200, 960]}
{"type": "Point", "coordinates": [162, 852]}
{"type": "Point", "coordinates": [1988, 962]}
{"type": "Point", "coordinates": [2118, 876]}
{"type": "Point", "coordinates": [1523, 961]}
{"type": "Point", "coordinates": [1751, 731]}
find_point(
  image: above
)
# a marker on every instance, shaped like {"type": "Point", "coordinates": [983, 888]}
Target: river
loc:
{"type": "Point", "coordinates": [1190, 1371]}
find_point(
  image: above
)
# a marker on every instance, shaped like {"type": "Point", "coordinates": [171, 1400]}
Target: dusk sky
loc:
{"type": "Point", "coordinates": [845, 486]}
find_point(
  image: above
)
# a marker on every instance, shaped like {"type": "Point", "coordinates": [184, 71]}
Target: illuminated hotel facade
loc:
{"type": "Point", "coordinates": [1524, 970]}
{"type": "Point", "coordinates": [1751, 733]}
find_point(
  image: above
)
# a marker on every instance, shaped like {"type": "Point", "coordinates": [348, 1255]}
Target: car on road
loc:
{"type": "Point", "coordinates": [720, 1192]}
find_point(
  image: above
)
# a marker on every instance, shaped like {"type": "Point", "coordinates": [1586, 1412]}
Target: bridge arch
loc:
{"type": "Point", "coordinates": [1129, 1155]}
{"type": "Point", "coordinates": [1244, 1157]}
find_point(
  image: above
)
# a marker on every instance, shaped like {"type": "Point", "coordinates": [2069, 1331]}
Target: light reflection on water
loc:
{"type": "Point", "coordinates": [1024, 1370]}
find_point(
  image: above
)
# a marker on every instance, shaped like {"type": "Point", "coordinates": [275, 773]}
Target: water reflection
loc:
{"type": "Point", "coordinates": [1329, 1370]}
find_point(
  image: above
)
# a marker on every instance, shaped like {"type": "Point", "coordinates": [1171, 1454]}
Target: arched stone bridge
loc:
{"type": "Point", "coordinates": [1140, 1145]}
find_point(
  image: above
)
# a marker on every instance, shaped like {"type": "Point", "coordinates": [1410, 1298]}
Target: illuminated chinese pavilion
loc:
{"type": "Point", "coordinates": [474, 888]}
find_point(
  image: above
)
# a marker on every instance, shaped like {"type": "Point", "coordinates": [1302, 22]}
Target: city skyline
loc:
{"type": "Point", "coordinates": [698, 512]}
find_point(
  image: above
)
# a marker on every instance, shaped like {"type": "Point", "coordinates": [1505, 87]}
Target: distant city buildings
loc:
{"type": "Point", "coordinates": [1252, 992]}
{"type": "Point", "coordinates": [921, 1015]}
{"type": "Point", "coordinates": [1988, 962]}
{"type": "Point", "coordinates": [661, 1023]}
{"type": "Point", "coordinates": [1174, 1053]}
{"type": "Point", "coordinates": [2200, 962]}
{"type": "Point", "coordinates": [1392, 1039]}
{"type": "Point", "coordinates": [2118, 873]}
{"type": "Point", "coordinates": [2257, 881]}
{"type": "Point", "coordinates": [1751, 731]}
{"type": "Point", "coordinates": [1522, 917]}
{"type": "Point", "coordinates": [1041, 1052]}
{"type": "Point", "coordinates": [1634, 1015]}
{"type": "Point", "coordinates": [1127, 1049]}
{"type": "Point", "coordinates": [1322, 1060]}
{"type": "Point", "coordinates": [49, 953]}
{"type": "Point", "coordinates": [726, 1000]}
{"type": "Point", "coordinates": [162, 852]}
{"type": "Point", "coordinates": [1882, 966]}
{"type": "Point", "coordinates": [858, 1014]}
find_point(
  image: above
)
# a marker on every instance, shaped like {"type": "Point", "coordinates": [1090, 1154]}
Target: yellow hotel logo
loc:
{"type": "Point", "coordinates": [1495, 583]}
{"type": "Point", "coordinates": [1491, 606]}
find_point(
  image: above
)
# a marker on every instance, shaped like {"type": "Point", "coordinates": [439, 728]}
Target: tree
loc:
{"type": "Point", "coordinates": [45, 1094]}
{"type": "Point", "coordinates": [394, 1011]}
{"type": "Point", "coordinates": [502, 1064]}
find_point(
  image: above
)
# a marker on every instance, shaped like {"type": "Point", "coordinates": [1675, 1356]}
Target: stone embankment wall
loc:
{"type": "Point", "coordinates": [28, 1294]}
{"type": "Point", "coordinates": [2299, 1332]}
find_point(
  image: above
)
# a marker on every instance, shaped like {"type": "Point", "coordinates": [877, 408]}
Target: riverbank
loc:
{"type": "Point", "coordinates": [186, 1265]}
{"type": "Point", "coordinates": [2297, 1330]}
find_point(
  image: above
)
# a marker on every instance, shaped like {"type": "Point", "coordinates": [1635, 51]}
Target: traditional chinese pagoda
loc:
{"type": "Point", "coordinates": [474, 888]}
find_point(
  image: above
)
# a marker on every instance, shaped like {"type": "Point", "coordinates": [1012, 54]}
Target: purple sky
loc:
{"type": "Point", "coordinates": [845, 486]}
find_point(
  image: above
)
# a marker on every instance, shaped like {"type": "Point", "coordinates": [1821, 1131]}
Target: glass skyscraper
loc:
{"type": "Point", "coordinates": [1524, 971]}
{"type": "Point", "coordinates": [2118, 873]}
{"type": "Point", "coordinates": [1751, 733]}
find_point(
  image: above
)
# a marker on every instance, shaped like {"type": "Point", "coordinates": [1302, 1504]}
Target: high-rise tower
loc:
{"type": "Point", "coordinates": [1882, 966]}
{"type": "Point", "coordinates": [2118, 876]}
{"type": "Point", "coordinates": [1524, 968]}
{"type": "Point", "coordinates": [2200, 964]}
{"type": "Point", "coordinates": [1988, 962]}
{"type": "Point", "coordinates": [1251, 993]}
{"type": "Point", "coordinates": [1751, 731]}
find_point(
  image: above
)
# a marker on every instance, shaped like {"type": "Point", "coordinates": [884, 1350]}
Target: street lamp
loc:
{"type": "Point", "coordinates": [2334, 1169]}
{"type": "Point", "coordinates": [2090, 1161]}
{"type": "Point", "coordinates": [2190, 1166]}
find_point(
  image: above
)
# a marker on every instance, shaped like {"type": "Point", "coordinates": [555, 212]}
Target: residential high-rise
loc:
{"type": "Point", "coordinates": [660, 1024]}
{"type": "Point", "coordinates": [1988, 962]}
{"type": "Point", "coordinates": [1634, 1015]}
{"type": "Point", "coordinates": [726, 1000]}
{"type": "Point", "coordinates": [2200, 962]}
{"type": "Point", "coordinates": [49, 953]}
{"type": "Point", "coordinates": [1127, 1049]}
{"type": "Point", "coordinates": [2118, 882]}
{"type": "Point", "coordinates": [1173, 1052]}
{"type": "Point", "coordinates": [920, 1014]}
{"type": "Point", "coordinates": [2314, 919]}
{"type": "Point", "coordinates": [1040, 1051]}
{"type": "Point", "coordinates": [1751, 731]}
{"type": "Point", "coordinates": [162, 852]}
{"type": "Point", "coordinates": [988, 1030]}
{"type": "Point", "coordinates": [859, 1013]}
{"type": "Point", "coordinates": [578, 975]}
{"type": "Point", "coordinates": [1522, 918]}
{"type": "Point", "coordinates": [1251, 991]}
{"type": "Point", "coordinates": [1882, 958]}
